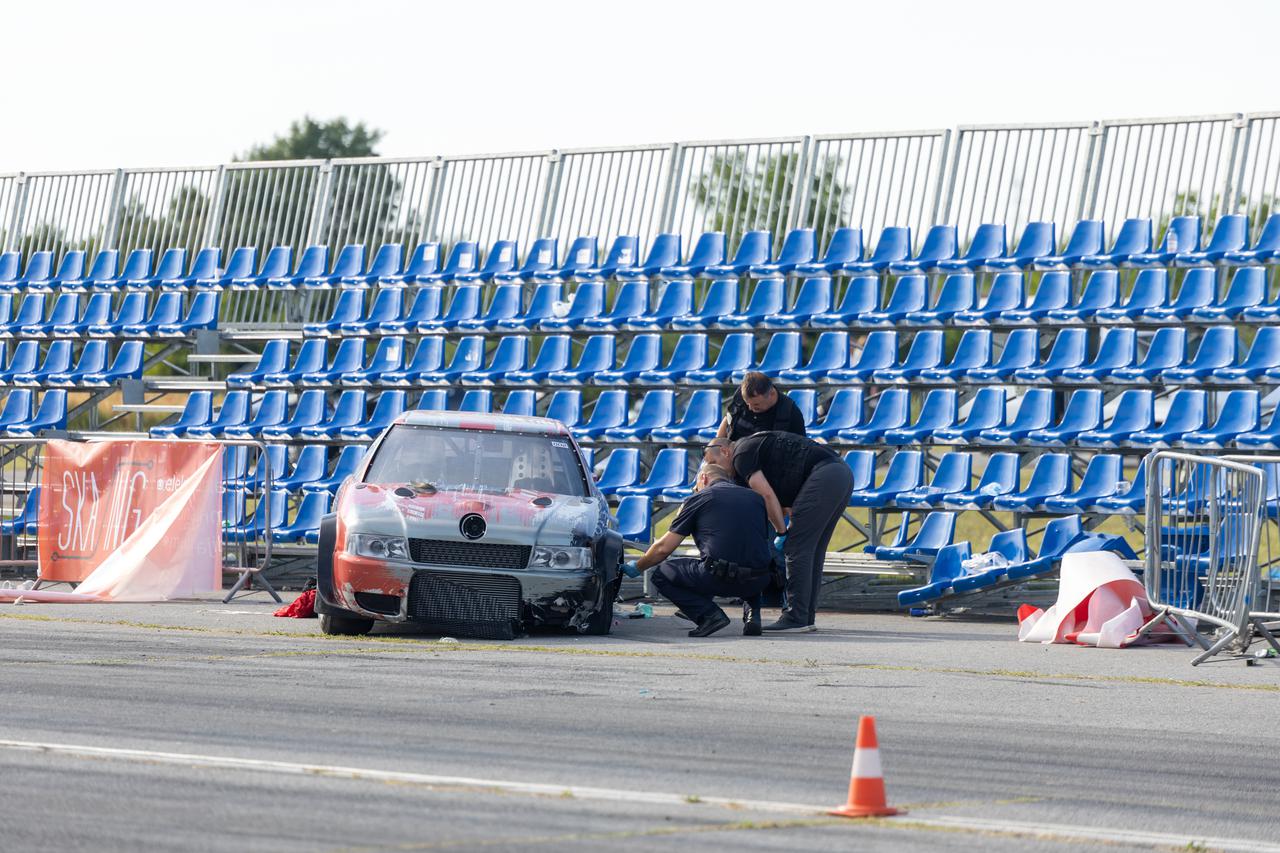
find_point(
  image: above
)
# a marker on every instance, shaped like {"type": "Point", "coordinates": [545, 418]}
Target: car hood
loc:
{"type": "Point", "coordinates": [516, 517]}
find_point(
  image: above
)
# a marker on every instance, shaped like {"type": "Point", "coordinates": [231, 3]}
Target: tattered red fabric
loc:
{"type": "Point", "coordinates": [303, 607]}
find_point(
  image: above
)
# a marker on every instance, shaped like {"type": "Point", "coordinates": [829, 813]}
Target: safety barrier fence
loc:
{"type": "Point", "coordinates": [1058, 172]}
{"type": "Point", "coordinates": [251, 508]}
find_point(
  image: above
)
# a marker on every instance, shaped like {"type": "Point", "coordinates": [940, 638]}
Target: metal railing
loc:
{"type": "Point", "coordinates": [1208, 165]}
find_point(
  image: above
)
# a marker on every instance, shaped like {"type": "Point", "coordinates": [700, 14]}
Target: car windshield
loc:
{"type": "Point", "coordinates": [477, 460]}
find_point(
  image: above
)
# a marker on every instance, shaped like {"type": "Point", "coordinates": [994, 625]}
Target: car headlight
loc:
{"type": "Point", "coordinates": [544, 557]}
{"type": "Point", "coordinates": [379, 547]}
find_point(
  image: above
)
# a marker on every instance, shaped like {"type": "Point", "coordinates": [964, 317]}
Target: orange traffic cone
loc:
{"type": "Point", "coordinates": [866, 784]}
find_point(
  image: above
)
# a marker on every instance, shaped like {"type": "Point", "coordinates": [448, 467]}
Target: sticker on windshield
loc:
{"type": "Point", "coordinates": [561, 444]}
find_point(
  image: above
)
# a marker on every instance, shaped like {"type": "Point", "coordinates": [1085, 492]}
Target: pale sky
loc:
{"type": "Point", "coordinates": [131, 83]}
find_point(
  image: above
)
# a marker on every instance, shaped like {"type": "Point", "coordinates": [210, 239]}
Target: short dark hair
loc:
{"type": "Point", "coordinates": [755, 383]}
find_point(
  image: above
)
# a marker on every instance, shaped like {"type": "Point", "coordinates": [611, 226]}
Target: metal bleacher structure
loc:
{"type": "Point", "coordinates": [998, 321]}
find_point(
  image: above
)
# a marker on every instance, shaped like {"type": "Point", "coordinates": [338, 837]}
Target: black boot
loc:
{"type": "Point", "coordinates": [750, 619]}
{"type": "Point", "coordinates": [710, 623]}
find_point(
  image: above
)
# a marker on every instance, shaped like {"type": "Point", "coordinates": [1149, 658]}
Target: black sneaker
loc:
{"type": "Point", "coordinates": [709, 624]}
{"type": "Point", "coordinates": [789, 625]}
{"type": "Point", "coordinates": [750, 620]}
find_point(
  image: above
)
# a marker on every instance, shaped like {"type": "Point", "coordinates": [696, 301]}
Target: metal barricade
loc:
{"type": "Point", "coordinates": [1204, 521]}
{"type": "Point", "coordinates": [251, 509]}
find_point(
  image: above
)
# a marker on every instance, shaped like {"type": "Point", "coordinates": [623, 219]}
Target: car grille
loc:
{"type": "Point", "coordinates": [476, 555]}
{"type": "Point", "coordinates": [472, 605]}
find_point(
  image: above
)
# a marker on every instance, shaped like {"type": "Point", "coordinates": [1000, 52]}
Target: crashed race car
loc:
{"type": "Point", "coordinates": [469, 524]}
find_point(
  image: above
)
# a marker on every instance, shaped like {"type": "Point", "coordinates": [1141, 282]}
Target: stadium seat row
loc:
{"type": "Point", "coordinates": [59, 367]}
{"type": "Point", "coordinates": [67, 317]}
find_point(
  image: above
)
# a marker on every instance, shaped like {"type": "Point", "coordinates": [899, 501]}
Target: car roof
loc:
{"type": "Point", "coordinates": [474, 420]}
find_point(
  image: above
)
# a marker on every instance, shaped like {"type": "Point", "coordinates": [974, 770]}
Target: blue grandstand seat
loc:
{"type": "Point", "coordinates": [201, 314]}
{"type": "Point", "coordinates": [1263, 359]}
{"type": "Point", "coordinates": [609, 411]}
{"type": "Point", "coordinates": [806, 400]}
{"type": "Point", "coordinates": [844, 246]}
{"type": "Point", "coordinates": [957, 294]}
{"type": "Point", "coordinates": [1187, 412]}
{"type": "Point", "coordinates": [1198, 288]}
{"type": "Point", "coordinates": [1053, 292]}
{"type": "Point", "coordinates": [313, 263]}
{"type": "Point", "coordinates": [844, 412]}
{"type": "Point", "coordinates": [1069, 350]}
{"type": "Point", "coordinates": [721, 300]}
{"type": "Point", "coordinates": [543, 256]}
{"type": "Point", "coordinates": [70, 269]}
{"type": "Point", "coordinates": [504, 304]}
{"type": "Point", "coordinates": [10, 266]}
{"type": "Point", "coordinates": [92, 359]}
{"type": "Point", "coordinates": [1167, 349]}
{"type": "Point", "coordinates": [708, 250]}
{"type": "Point", "coordinates": [664, 252]}
{"type": "Point", "coordinates": [633, 517]}
{"type": "Point", "coordinates": [700, 419]}
{"type": "Point", "coordinates": [862, 465]}
{"type": "Point", "coordinates": [1248, 288]}
{"type": "Point", "coordinates": [39, 269]}
{"type": "Point", "coordinates": [623, 254]}
{"type": "Point", "coordinates": [127, 364]}
{"type": "Point", "coordinates": [767, 298]}
{"type": "Point", "coordinates": [503, 257]}
{"type": "Point", "coordinates": [1264, 248]}
{"type": "Point", "coordinates": [541, 307]}
{"type": "Point", "coordinates": [272, 409]}
{"type": "Point", "coordinates": [909, 295]}
{"type": "Point", "coordinates": [386, 409]}
{"type": "Point", "coordinates": [1134, 411]}
{"type": "Point", "coordinates": [511, 354]}
{"type": "Point", "coordinates": [861, 295]}
{"type": "Point", "coordinates": [468, 355]}
{"type": "Point", "coordinates": [1082, 413]}
{"type": "Point", "coordinates": [905, 473]}
{"type": "Point", "coordinates": [304, 527]}
{"type": "Point", "coordinates": [1134, 238]}
{"type": "Point", "coordinates": [953, 475]}
{"type": "Point", "coordinates": [57, 359]}
{"type": "Point", "coordinates": [1035, 411]}
{"type": "Point", "coordinates": [1118, 349]}
{"type": "Point", "coordinates": [310, 357]}
{"type": "Point", "coordinates": [588, 301]}
{"type": "Point", "coordinates": [1101, 291]}
{"type": "Point", "coordinates": [924, 353]}
{"type": "Point", "coordinates": [894, 245]}
{"type": "Point", "coordinates": [50, 416]}
{"type": "Point", "coordinates": [879, 351]}
{"type": "Point", "coordinates": [936, 531]}
{"type": "Point", "coordinates": [675, 299]}
{"type": "Point", "coordinates": [24, 358]}
{"type": "Point", "coordinates": [1039, 241]}
{"type": "Point", "coordinates": [553, 355]}
{"type": "Point", "coordinates": [197, 411]}
{"type": "Point", "coordinates": [346, 464]}
{"type": "Point", "coordinates": [973, 351]}
{"type": "Point", "coordinates": [941, 243]}
{"type": "Point", "coordinates": [937, 412]}
{"type": "Point", "coordinates": [1180, 235]}
{"type": "Point", "coordinates": [1086, 239]}
{"type": "Point", "coordinates": [348, 411]}
{"type": "Point", "coordinates": [830, 352]}
{"type": "Point", "coordinates": [239, 266]}
{"type": "Point", "coordinates": [566, 407]}
{"type": "Point", "coordinates": [644, 354]}
{"type": "Point", "coordinates": [424, 262]}
{"type": "Point", "coordinates": [598, 354]}
{"type": "Point", "coordinates": [986, 411]}
{"type": "Point", "coordinates": [433, 400]}
{"type": "Point", "coordinates": [1101, 479]}
{"type": "Point", "coordinates": [755, 247]}
{"type": "Point", "coordinates": [387, 358]}
{"type": "Point", "coordinates": [347, 358]}
{"type": "Point", "coordinates": [1265, 438]}
{"type": "Point", "coordinates": [1150, 290]}
{"type": "Point", "coordinates": [1000, 477]}
{"type": "Point", "coordinates": [1239, 412]}
{"type": "Point", "coordinates": [463, 257]}
{"type": "Point", "coordinates": [307, 411]}
{"type": "Point", "coordinates": [1059, 535]}
{"type": "Point", "coordinates": [1006, 294]}
{"type": "Point", "coordinates": [273, 359]}
{"type": "Point", "coordinates": [27, 520]}
{"type": "Point", "coordinates": [172, 264]}
{"type": "Point", "coordinates": [1218, 348]}
{"type": "Point", "coordinates": [19, 403]}
{"type": "Point", "coordinates": [386, 308]}
{"type": "Point", "coordinates": [65, 310]}
{"type": "Point", "coordinates": [814, 297]}
{"type": "Point", "coordinates": [657, 410]}
{"type": "Point", "coordinates": [348, 308]}
{"type": "Point", "coordinates": [800, 246]}
{"type": "Point", "coordinates": [670, 470]}
{"type": "Point", "coordinates": [582, 255]}
{"type": "Point", "coordinates": [463, 305]}
{"type": "Point", "coordinates": [690, 353]}
{"type": "Point", "coordinates": [30, 313]}
{"type": "Point", "coordinates": [1130, 501]}
{"type": "Point", "coordinates": [892, 409]}
{"type": "Point", "coordinates": [737, 352]}
{"type": "Point", "coordinates": [989, 243]}
{"type": "Point", "coordinates": [946, 569]}
{"type": "Point", "coordinates": [234, 411]}
{"type": "Point", "coordinates": [311, 465]}
{"type": "Point", "coordinates": [1050, 476]}
{"type": "Point", "coordinates": [386, 264]}
{"type": "Point", "coordinates": [426, 306]}
{"type": "Point", "coordinates": [1266, 311]}
{"type": "Point", "coordinates": [104, 268]}
{"type": "Point", "coordinates": [522, 402]}
{"type": "Point", "coordinates": [1010, 544]}
{"type": "Point", "coordinates": [630, 302]}
{"type": "Point", "coordinates": [267, 515]}
{"type": "Point", "coordinates": [165, 310]}
{"type": "Point", "coordinates": [782, 353]}
{"type": "Point", "coordinates": [1231, 234]}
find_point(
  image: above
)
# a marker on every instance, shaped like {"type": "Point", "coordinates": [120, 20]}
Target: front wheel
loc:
{"type": "Point", "coordinates": [335, 624]}
{"type": "Point", "coordinates": [601, 622]}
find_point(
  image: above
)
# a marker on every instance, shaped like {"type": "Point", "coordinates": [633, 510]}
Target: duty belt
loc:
{"type": "Point", "coordinates": [726, 570]}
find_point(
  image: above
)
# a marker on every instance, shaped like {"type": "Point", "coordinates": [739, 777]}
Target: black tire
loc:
{"type": "Point", "coordinates": [601, 622]}
{"type": "Point", "coordinates": [350, 625]}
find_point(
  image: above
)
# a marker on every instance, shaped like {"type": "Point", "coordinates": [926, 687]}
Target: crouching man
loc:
{"type": "Point", "coordinates": [731, 529]}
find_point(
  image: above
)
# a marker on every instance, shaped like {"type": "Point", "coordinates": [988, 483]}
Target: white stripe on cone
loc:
{"type": "Point", "coordinates": [866, 763]}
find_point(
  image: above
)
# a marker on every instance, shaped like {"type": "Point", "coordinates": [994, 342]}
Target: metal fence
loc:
{"type": "Point", "coordinates": [1208, 165]}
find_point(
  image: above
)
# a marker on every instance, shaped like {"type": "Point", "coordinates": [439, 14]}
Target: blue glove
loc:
{"type": "Point", "coordinates": [779, 542]}
{"type": "Point", "coordinates": [631, 569]}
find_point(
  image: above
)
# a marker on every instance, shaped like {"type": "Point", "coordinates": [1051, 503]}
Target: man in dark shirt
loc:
{"type": "Point", "coordinates": [800, 477]}
{"type": "Point", "coordinates": [758, 406]}
{"type": "Point", "coordinates": [730, 528]}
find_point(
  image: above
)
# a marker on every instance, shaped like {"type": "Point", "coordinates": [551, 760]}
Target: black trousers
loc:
{"type": "Point", "coordinates": [686, 584]}
{"type": "Point", "coordinates": [818, 507]}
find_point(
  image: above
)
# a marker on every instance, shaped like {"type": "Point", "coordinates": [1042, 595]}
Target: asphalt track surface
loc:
{"type": "Point", "coordinates": [202, 726]}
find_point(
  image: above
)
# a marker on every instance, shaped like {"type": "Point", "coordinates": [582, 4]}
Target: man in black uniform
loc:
{"type": "Point", "coordinates": [797, 476]}
{"type": "Point", "coordinates": [758, 406]}
{"type": "Point", "coordinates": [729, 526]}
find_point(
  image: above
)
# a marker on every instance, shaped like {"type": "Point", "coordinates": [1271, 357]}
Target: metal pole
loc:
{"type": "Point", "coordinates": [800, 187]}
{"type": "Point", "coordinates": [14, 232]}
{"type": "Point", "coordinates": [110, 235]}
{"type": "Point", "coordinates": [1092, 170]}
{"type": "Point", "coordinates": [669, 195]}
{"type": "Point", "coordinates": [320, 215]}
{"type": "Point", "coordinates": [944, 166]}
{"type": "Point", "coordinates": [1239, 135]}
{"type": "Point", "coordinates": [550, 193]}
{"type": "Point", "coordinates": [438, 168]}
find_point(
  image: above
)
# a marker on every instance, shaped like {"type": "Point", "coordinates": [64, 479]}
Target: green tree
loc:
{"type": "Point", "coordinates": [308, 139]}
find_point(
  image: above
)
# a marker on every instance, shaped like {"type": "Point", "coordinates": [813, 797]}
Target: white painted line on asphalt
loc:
{"type": "Point", "coordinates": [1028, 828]}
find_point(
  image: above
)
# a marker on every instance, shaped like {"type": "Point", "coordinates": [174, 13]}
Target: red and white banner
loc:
{"type": "Point", "coordinates": [132, 520]}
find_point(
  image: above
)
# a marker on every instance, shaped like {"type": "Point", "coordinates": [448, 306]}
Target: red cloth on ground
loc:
{"type": "Point", "coordinates": [303, 607]}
